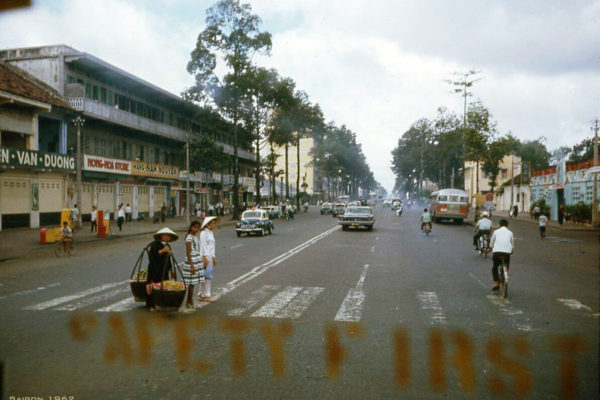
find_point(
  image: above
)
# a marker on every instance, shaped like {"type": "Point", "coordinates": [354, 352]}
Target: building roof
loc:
{"type": "Point", "coordinates": [516, 180]}
{"type": "Point", "coordinates": [17, 82]}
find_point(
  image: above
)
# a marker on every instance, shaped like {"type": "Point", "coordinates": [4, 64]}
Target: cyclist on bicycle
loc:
{"type": "Point", "coordinates": [502, 245]}
{"type": "Point", "coordinates": [484, 226]}
{"type": "Point", "coordinates": [425, 219]}
{"type": "Point", "coordinates": [67, 236]}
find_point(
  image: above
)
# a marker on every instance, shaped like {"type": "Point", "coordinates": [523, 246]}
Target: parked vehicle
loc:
{"type": "Point", "coordinates": [273, 211]}
{"type": "Point", "coordinates": [449, 204]}
{"type": "Point", "coordinates": [356, 217]}
{"type": "Point", "coordinates": [254, 221]}
{"type": "Point", "coordinates": [326, 208]}
{"type": "Point", "coordinates": [338, 209]}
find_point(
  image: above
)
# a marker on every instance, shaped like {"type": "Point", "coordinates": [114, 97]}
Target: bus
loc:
{"type": "Point", "coordinates": [449, 204]}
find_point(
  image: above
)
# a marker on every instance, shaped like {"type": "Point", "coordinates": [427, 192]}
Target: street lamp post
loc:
{"type": "Point", "coordinates": [78, 122]}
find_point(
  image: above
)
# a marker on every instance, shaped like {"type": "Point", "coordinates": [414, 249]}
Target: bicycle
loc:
{"type": "Point", "coordinates": [63, 249]}
{"type": "Point", "coordinates": [503, 277]}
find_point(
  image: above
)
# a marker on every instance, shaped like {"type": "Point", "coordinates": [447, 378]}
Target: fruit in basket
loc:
{"type": "Point", "coordinates": [142, 275]}
{"type": "Point", "coordinates": [170, 285]}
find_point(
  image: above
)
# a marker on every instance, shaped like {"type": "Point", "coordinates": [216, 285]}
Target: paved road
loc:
{"type": "Point", "coordinates": [313, 312]}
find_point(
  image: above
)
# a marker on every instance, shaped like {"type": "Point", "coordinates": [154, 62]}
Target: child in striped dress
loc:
{"type": "Point", "coordinates": [192, 268]}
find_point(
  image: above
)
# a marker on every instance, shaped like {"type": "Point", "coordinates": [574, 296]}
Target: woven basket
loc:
{"type": "Point", "coordinates": [168, 299]}
{"type": "Point", "coordinates": [138, 290]}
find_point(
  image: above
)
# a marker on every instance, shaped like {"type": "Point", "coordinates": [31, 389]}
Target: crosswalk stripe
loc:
{"type": "Point", "coordinates": [120, 306]}
{"type": "Point", "coordinates": [24, 292]}
{"type": "Point", "coordinates": [277, 302]}
{"type": "Point", "coordinates": [297, 306]}
{"type": "Point", "coordinates": [92, 300]}
{"type": "Point", "coordinates": [576, 305]}
{"type": "Point", "coordinates": [430, 302]}
{"type": "Point", "coordinates": [255, 297]}
{"type": "Point", "coordinates": [351, 308]}
{"type": "Point", "coordinates": [516, 315]}
{"type": "Point", "coordinates": [78, 295]}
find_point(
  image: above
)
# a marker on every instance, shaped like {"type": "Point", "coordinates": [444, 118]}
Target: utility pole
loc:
{"type": "Point", "coordinates": [78, 122]}
{"type": "Point", "coordinates": [187, 182]}
{"type": "Point", "coordinates": [461, 86]}
{"type": "Point", "coordinates": [594, 177]}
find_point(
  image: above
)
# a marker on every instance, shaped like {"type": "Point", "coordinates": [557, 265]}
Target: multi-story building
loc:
{"type": "Point", "coordinates": [478, 182]}
{"type": "Point", "coordinates": [35, 172]}
{"type": "Point", "coordinates": [311, 181]}
{"type": "Point", "coordinates": [134, 134]}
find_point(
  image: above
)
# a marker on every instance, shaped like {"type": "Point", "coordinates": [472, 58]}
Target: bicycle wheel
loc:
{"type": "Point", "coordinates": [71, 251]}
{"type": "Point", "coordinates": [504, 281]}
{"type": "Point", "coordinates": [59, 250]}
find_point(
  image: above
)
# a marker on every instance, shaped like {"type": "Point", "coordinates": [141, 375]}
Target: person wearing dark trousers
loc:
{"type": "Point", "coordinates": [120, 217]}
{"type": "Point", "coordinates": [561, 214]}
{"type": "Point", "coordinates": [94, 221]}
{"type": "Point", "coordinates": [543, 221]}
{"type": "Point", "coordinates": [502, 245]}
{"type": "Point", "coordinates": [128, 213]}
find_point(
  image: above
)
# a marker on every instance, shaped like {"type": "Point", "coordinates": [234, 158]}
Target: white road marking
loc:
{"type": "Point", "coordinates": [236, 246]}
{"type": "Point", "coordinates": [298, 305]}
{"type": "Point", "coordinates": [24, 292]}
{"type": "Point", "coordinates": [261, 269]}
{"type": "Point", "coordinates": [511, 313]}
{"type": "Point", "coordinates": [277, 302]}
{"type": "Point", "coordinates": [255, 297]}
{"type": "Point", "coordinates": [351, 308]}
{"type": "Point", "coordinates": [477, 279]}
{"type": "Point", "coordinates": [576, 305]}
{"type": "Point", "coordinates": [372, 249]}
{"type": "Point", "coordinates": [119, 306]}
{"type": "Point", "coordinates": [429, 301]}
{"type": "Point", "coordinates": [92, 300]}
{"type": "Point", "coordinates": [78, 295]}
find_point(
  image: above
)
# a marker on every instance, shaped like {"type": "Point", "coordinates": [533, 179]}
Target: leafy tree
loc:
{"type": "Point", "coordinates": [496, 150]}
{"type": "Point", "coordinates": [232, 35]}
{"type": "Point", "coordinates": [535, 152]}
{"type": "Point", "coordinates": [206, 155]}
{"type": "Point", "coordinates": [582, 151]}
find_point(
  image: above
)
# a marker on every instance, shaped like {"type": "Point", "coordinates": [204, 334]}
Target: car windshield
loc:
{"type": "Point", "coordinates": [251, 215]}
{"type": "Point", "coordinates": [358, 210]}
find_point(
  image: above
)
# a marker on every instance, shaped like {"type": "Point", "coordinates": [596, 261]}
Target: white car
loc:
{"type": "Point", "coordinates": [254, 221]}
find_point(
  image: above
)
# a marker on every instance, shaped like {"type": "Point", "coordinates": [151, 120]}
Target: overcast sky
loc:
{"type": "Point", "coordinates": [375, 66]}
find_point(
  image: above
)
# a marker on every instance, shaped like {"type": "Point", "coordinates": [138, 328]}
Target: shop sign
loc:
{"type": "Point", "coordinates": [108, 165]}
{"type": "Point", "coordinates": [216, 177]}
{"type": "Point", "coordinates": [143, 168]}
{"type": "Point", "coordinates": [228, 179]}
{"type": "Point", "coordinates": [36, 159]}
{"type": "Point", "coordinates": [248, 182]}
{"type": "Point", "coordinates": [196, 176]}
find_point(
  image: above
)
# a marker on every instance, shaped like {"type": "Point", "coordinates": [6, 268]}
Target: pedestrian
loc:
{"type": "Point", "coordinates": [515, 211]}
{"type": "Point", "coordinates": [209, 261]}
{"type": "Point", "coordinates": [94, 218]}
{"type": "Point", "coordinates": [163, 213]}
{"type": "Point", "coordinates": [536, 211]}
{"type": "Point", "coordinates": [211, 210]}
{"type": "Point", "coordinates": [543, 220]}
{"type": "Point", "coordinates": [159, 256]}
{"type": "Point", "coordinates": [128, 213]}
{"type": "Point", "coordinates": [192, 268]}
{"type": "Point", "coordinates": [120, 217]}
{"type": "Point", "coordinates": [173, 210]}
{"type": "Point", "coordinates": [75, 217]}
{"type": "Point", "coordinates": [561, 214]}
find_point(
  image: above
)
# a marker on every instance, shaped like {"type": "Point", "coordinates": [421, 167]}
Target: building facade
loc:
{"type": "Point", "coordinates": [35, 171]}
{"type": "Point", "coordinates": [311, 181]}
{"type": "Point", "coordinates": [134, 135]}
{"type": "Point", "coordinates": [478, 182]}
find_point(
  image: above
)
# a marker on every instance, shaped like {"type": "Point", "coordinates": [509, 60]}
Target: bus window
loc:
{"type": "Point", "coordinates": [463, 199]}
{"type": "Point", "coordinates": [442, 198]}
{"type": "Point", "coordinates": [454, 199]}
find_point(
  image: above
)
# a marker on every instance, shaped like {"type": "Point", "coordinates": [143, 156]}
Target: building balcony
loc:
{"type": "Point", "coordinates": [112, 114]}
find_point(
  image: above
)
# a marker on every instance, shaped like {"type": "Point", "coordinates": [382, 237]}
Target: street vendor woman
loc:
{"type": "Point", "coordinates": [160, 260]}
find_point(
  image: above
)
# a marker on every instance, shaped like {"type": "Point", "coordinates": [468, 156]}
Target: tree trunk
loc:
{"type": "Point", "coordinates": [257, 175]}
{"type": "Point", "coordinates": [298, 172]}
{"type": "Point", "coordinates": [287, 176]}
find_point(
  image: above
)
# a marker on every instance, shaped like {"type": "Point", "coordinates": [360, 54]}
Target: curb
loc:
{"type": "Point", "coordinates": [533, 222]}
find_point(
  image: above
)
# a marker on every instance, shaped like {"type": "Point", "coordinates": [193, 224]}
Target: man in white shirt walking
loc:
{"type": "Point", "coordinates": [502, 245]}
{"type": "Point", "coordinates": [543, 221]}
{"type": "Point", "coordinates": [94, 219]}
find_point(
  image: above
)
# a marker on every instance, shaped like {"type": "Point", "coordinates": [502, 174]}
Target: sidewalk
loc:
{"type": "Point", "coordinates": [524, 217]}
{"type": "Point", "coordinates": [19, 242]}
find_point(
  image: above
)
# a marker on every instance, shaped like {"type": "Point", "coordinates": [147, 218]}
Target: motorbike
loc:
{"type": "Point", "coordinates": [427, 228]}
{"type": "Point", "coordinates": [483, 244]}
